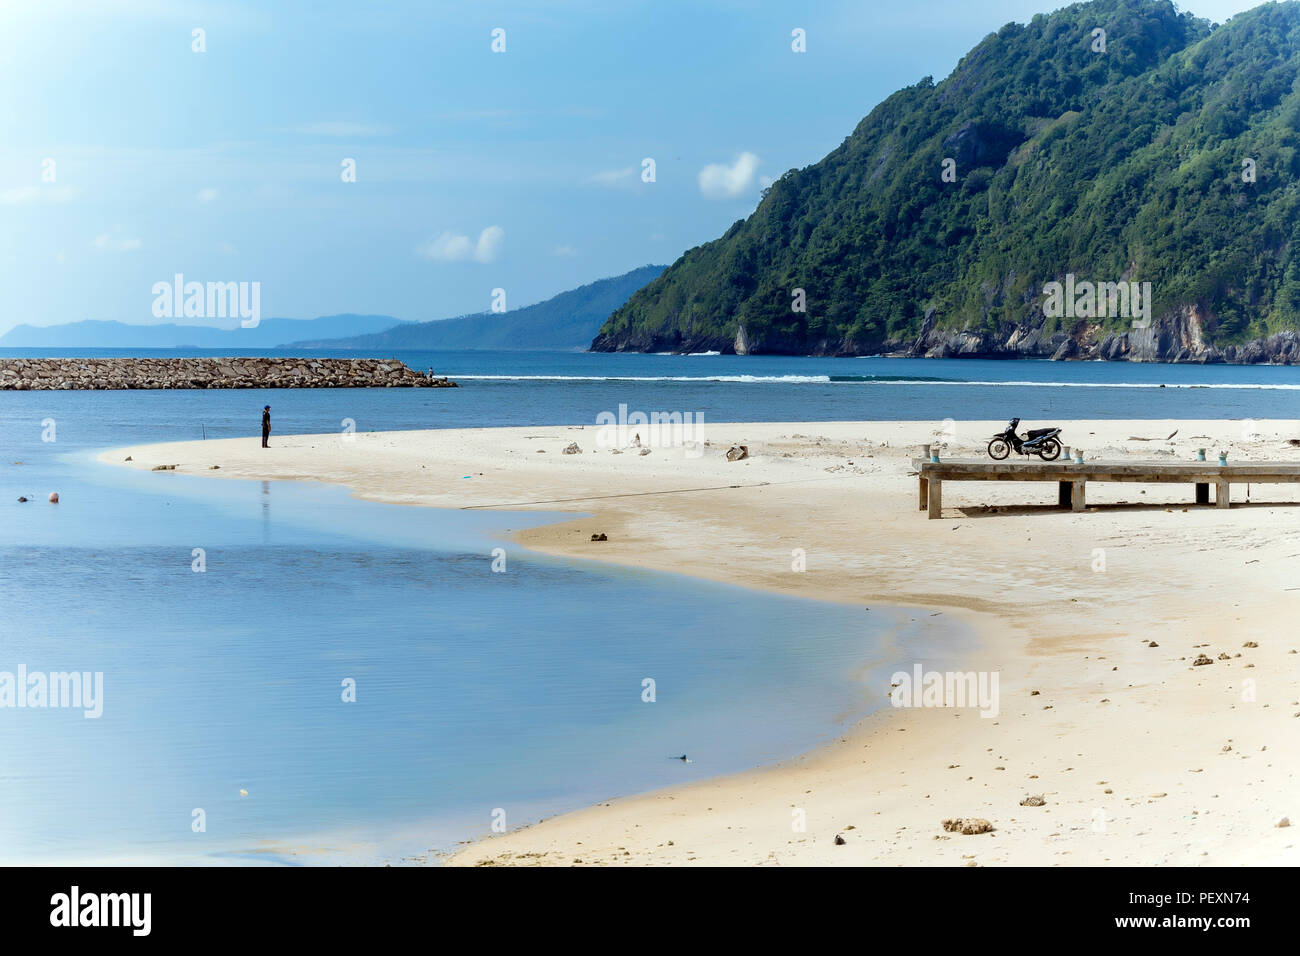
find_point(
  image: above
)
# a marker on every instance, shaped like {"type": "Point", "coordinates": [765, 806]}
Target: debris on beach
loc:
{"type": "Point", "coordinates": [967, 825]}
{"type": "Point", "coordinates": [164, 467]}
{"type": "Point", "coordinates": [1283, 822]}
{"type": "Point", "coordinates": [644, 451]}
{"type": "Point", "coordinates": [573, 449]}
{"type": "Point", "coordinates": [737, 453]}
{"type": "Point", "coordinates": [839, 840]}
{"type": "Point", "coordinates": [128, 458]}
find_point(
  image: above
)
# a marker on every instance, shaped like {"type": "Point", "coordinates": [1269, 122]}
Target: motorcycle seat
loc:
{"type": "Point", "coordinates": [1035, 432]}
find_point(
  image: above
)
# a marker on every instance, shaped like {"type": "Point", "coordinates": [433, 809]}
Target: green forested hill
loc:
{"type": "Point", "coordinates": [1122, 165]}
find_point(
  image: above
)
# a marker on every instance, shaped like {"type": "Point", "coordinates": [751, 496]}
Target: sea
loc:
{"type": "Point", "coordinates": [287, 675]}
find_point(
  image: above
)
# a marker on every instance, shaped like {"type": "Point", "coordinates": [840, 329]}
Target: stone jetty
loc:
{"type": "Point", "coordinates": [122, 373]}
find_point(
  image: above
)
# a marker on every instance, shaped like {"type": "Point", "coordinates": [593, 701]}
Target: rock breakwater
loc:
{"type": "Point", "coordinates": [127, 373]}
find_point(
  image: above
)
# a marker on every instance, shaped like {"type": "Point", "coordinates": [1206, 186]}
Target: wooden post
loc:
{"type": "Point", "coordinates": [1221, 493]}
{"type": "Point", "coordinates": [935, 496]}
{"type": "Point", "coordinates": [1064, 491]}
{"type": "Point", "coordinates": [1202, 492]}
{"type": "Point", "coordinates": [1076, 494]}
{"type": "Point", "coordinates": [924, 489]}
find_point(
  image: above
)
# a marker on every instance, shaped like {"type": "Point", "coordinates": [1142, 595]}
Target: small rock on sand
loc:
{"type": "Point", "coordinates": [967, 825]}
{"type": "Point", "coordinates": [573, 449]}
{"type": "Point", "coordinates": [1201, 659]}
{"type": "Point", "coordinates": [600, 536]}
{"type": "Point", "coordinates": [1283, 822]}
{"type": "Point", "coordinates": [1034, 801]}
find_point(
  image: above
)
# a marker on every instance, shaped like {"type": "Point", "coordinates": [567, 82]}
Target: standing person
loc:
{"type": "Point", "coordinates": [266, 425]}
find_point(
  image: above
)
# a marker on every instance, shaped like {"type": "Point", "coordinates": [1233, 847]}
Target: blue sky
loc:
{"type": "Point", "coordinates": [475, 170]}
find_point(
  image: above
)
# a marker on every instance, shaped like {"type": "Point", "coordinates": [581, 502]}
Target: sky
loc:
{"type": "Point", "coordinates": [129, 155]}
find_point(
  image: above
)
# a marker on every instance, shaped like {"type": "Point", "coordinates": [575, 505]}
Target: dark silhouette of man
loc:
{"type": "Point", "coordinates": [266, 425]}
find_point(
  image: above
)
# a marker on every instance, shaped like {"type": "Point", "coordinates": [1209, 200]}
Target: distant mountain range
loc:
{"type": "Point", "coordinates": [566, 321]}
{"type": "Point", "coordinates": [269, 333]}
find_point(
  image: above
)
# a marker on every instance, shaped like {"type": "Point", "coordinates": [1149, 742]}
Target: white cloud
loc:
{"type": "Point", "coordinates": [451, 247]}
{"type": "Point", "coordinates": [446, 248]}
{"type": "Point", "coordinates": [564, 250]}
{"type": "Point", "coordinates": [489, 244]}
{"type": "Point", "coordinates": [207, 195]}
{"type": "Point", "coordinates": [613, 177]}
{"type": "Point", "coordinates": [720, 181]}
{"type": "Point", "coordinates": [109, 243]}
{"type": "Point", "coordinates": [25, 195]}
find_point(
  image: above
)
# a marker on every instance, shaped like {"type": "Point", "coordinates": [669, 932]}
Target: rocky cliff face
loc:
{"type": "Point", "coordinates": [121, 373]}
{"type": "Point", "coordinates": [1179, 337]}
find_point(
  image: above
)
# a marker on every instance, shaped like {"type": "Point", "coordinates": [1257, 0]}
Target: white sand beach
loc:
{"type": "Point", "coordinates": [1091, 620]}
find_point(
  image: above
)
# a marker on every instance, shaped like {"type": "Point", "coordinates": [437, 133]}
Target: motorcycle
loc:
{"type": "Point", "coordinates": [1037, 441]}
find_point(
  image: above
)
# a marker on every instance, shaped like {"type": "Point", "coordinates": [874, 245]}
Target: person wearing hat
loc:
{"type": "Point", "coordinates": [266, 425]}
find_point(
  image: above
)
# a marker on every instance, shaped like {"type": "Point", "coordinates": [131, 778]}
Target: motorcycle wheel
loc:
{"type": "Point", "coordinates": [1049, 450]}
{"type": "Point", "coordinates": [999, 449]}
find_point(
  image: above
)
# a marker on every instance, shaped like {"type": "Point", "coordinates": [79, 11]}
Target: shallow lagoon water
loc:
{"type": "Point", "coordinates": [476, 691]}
